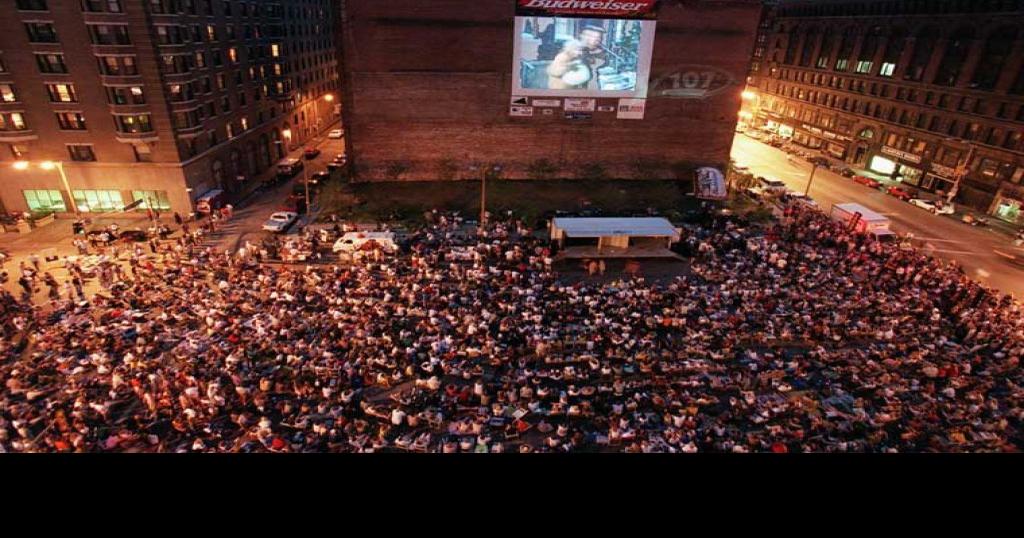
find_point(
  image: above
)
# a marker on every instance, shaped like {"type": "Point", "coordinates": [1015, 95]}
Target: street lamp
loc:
{"type": "Point", "coordinates": [484, 171]}
{"type": "Point", "coordinates": [810, 180]}
{"type": "Point", "coordinates": [51, 165]}
{"type": "Point", "coordinates": [961, 169]}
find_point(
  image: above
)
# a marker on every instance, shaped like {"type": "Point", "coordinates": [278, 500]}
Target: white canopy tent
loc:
{"type": "Point", "coordinates": [614, 237]}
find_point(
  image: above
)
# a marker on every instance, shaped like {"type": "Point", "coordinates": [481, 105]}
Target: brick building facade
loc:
{"type": "Point", "coordinates": [427, 89]}
{"type": "Point", "coordinates": [154, 100]}
{"type": "Point", "coordinates": [931, 93]}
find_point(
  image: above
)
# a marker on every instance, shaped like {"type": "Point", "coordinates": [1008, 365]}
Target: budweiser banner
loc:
{"type": "Point", "coordinates": [587, 8]}
{"type": "Point", "coordinates": [711, 184]}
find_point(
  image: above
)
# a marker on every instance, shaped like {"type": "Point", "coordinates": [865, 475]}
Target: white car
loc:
{"type": "Point", "coordinates": [337, 133]}
{"type": "Point", "coordinates": [939, 208]}
{"type": "Point", "coordinates": [280, 221]}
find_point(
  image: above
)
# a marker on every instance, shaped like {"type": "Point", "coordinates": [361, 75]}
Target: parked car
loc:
{"type": "Point", "coordinates": [288, 168]}
{"type": "Point", "coordinates": [846, 171]}
{"type": "Point", "coordinates": [901, 193]}
{"type": "Point", "coordinates": [864, 180]}
{"type": "Point", "coordinates": [321, 177]}
{"type": "Point", "coordinates": [296, 203]}
{"type": "Point", "coordinates": [938, 207]}
{"type": "Point", "coordinates": [771, 185]}
{"type": "Point", "coordinates": [311, 153]}
{"type": "Point", "coordinates": [336, 133]}
{"type": "Point", "coordinates": [280, 221]}
{"type": "Point", "coordinates": [974, 221]}
{"type": "Point", "coordinates": [820, 161]}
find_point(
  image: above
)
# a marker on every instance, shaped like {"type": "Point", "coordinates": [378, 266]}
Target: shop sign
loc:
{"type": "Point", "coordinates": [943, 170]}
{"type": "Point", "coordinates": [901, 154]}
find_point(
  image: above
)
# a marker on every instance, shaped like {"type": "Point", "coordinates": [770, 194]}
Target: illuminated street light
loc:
{"type": "Point", "coordinates": [329, 97]}
{"type": "Point", "coordinates": [50, 165]}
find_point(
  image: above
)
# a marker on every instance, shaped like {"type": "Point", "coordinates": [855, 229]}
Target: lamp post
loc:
{"type": "Point", "coordinates": [810, 180]}
{"type": "Point", "coordinates": [51, 165]}
{"type": "Point", "coordinates": [961, 173]}
{"type": "Point", "coordinates": [484, 171]}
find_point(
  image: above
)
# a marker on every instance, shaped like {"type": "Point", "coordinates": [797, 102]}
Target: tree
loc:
{"type": "Point", "coordinates": [541, 169]}
{"type": "Point", "coordinates": [647, 168]}
{"type": "Point", "coordinates": [593, 170]}
{"type": "Point", "coordinates": [447, 169]}
{"type": "Point", "coordinates": [395, 169]}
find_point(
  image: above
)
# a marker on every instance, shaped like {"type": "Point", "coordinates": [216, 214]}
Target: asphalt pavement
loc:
{"type": "Point", "coordinates": [979, 250]}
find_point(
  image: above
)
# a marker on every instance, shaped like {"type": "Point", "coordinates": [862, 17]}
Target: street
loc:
{"type": "Point", "coordinates": [975, 248]}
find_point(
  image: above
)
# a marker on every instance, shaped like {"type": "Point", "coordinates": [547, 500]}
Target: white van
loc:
{"type": "Point", "coordinates": [289, 167]}
{"type": "Point", "coordinates": [771, 185]}
{"type": "Point", "coordinates": [353, 241]}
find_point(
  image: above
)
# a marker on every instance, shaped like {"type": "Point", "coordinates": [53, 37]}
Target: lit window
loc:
{"type": "Point", "coordinates": [7, 93]}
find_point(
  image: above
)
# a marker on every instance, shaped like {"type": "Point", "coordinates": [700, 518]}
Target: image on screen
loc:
{"type": "Point", "coordinates": [585, 57]}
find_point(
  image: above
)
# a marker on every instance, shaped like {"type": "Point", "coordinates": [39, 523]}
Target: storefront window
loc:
{"type": "Point", "coordinates": [152, 199]}
{"type": "Point", "coordinates": [98, 201]}
{"type": "Point", "coordinates": [910, 175]}
{"type": "Point", "coordinates": [882, 165]}
{"type": "Point", "coordinates": [44, 200]}
{"type": "Point", "coordinates": [785, 131]}
{"type": "Point", "coordinates": [1008, 210]}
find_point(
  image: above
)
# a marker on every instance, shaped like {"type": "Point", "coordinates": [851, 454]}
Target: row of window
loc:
{"type": "Point", "coordinates": [936, 123]}
{"type": "Point", "coordinates": [75, 121]}
{"type": "Point", "coordinates": [84, 152]}
{"type": "Point", "coordinates": [95, 201]}
{"type": "Point", "coordinates": [830, 49]}
{"type": "Point", "coordinates": [900, 7]}
{"type": "Point", "coordinates": [966, 104]}
{"type": "Point", "coordinates": [191, 7]}
{"type": "Point", "coordinates": [117, 34]}
{"type": "Point", "coordinates": [65, 93]}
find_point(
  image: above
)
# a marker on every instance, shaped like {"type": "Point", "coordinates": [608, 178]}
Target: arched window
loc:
{"type": "Point", "coordinates": [866, 58]}
{"type": "Point", "coordinates": [827, 41]}
{"type": "Point", "coordinates": [793, 39]}
{"type": "Point", "coordinates": [924, 47]}
{"type": "Point", "coordinates": [810, 42]}
{"type": "Point", "coordinates": [953, 59]}
{"type": "Point", "coordinates": [993, 58]}
{"type": "Point", "coordinates": [846, 44]}
{"type": "Point", "coordinates": [218, 173]}
{"type": "Point", "coordinates": [893, 50]}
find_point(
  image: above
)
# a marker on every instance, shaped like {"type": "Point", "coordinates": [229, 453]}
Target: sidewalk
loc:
{"type": "Point", "coordinates": [254, 184]}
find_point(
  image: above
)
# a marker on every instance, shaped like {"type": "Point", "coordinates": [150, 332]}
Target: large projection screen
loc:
{"type": "Point", "coordinates": [582, 57]}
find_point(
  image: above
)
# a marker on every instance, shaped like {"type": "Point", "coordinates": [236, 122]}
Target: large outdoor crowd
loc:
{"type": "Point", "coordinates": [797, 336]}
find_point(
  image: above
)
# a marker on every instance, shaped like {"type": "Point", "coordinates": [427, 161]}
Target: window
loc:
{"type": "Point", "coordinates": [924, 47]}
{"type": "Point", "coordinates": [44, 200]}
{"type": "Point", "coordinates": [109, 34]}
{"type": "Point", "coordinates": [71, 121]}
{"type": "Point", "coordinates": [12, 121]}
{"type": "Point", "coordinates": [200, 60]}
{"type": "Point", "coordinates": [81, 152]}
{"type": "Point", "coordinates": [118, 65]}
{"type": "Point", "coordinates": [211, 32]}
{"type": "Point", "coordinates": [100, 6]}
{"type": "Point", "coordinates": [62, 93]}
{"type": "Point", "coordinates": [953, 58]}
{"type": "Point", "coordinates": [275, 50]}
{"type": "Point", "coordinates": [993, 58]}
{"type": "Point", "coordinates": [51, 63]}
{"type": "Point", "coordinates": [136, 123]}
{"type": "Point", "coordinates": [233, 55]}
{"type": "Point", "coordinates": [31, 5]}
{"type": "Point", "coordinates": [126, 95]}
{"type": "Point", "coordinates": [41, 32]}
{"type": "Point", "coordinates": [152, 200]}
{"type": "Point", "coordinates": [98, 201]}
{"type": "Point", "coordinates": [7, 94]}
{"type": "Point", "coordinates": [143, 153]}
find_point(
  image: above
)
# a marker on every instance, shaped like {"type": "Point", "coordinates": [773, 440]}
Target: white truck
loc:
{"type": "Point", "coordinates": [863, 220]}
{"type": "Point", "coordinates": [353, 241]}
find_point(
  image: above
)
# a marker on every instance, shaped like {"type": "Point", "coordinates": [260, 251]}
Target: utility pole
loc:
{"type": "Point", "coordinates": [961, 173]}
{"type": "Point", "coordinates": [810, 180]}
